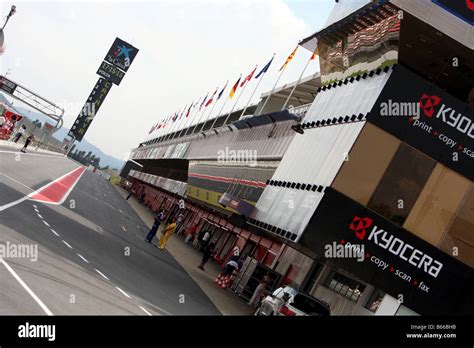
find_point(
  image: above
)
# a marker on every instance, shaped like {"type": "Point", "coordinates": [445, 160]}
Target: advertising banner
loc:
{"type": "Point", "coordinates": [90, 108]}
{"type": "Point", "coordinates": [7, 86]}
{"type": "Point", "coordinates": [424, 278]}
{"type": "Point", "coordinates": [428, 119]}
{"type": "Point", "coordinates": [121, 54]}
{"type": "Point", "coordinates": [463, 9]}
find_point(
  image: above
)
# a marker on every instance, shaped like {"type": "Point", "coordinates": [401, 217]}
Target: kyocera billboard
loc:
{"type": "Point", "coordinates": [428, 119]}
{"type": "Point", "coordinates": [396, 261]}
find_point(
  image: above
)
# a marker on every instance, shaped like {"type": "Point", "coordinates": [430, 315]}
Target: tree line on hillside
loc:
{"type": "Point", "coordinates": [85, 158]}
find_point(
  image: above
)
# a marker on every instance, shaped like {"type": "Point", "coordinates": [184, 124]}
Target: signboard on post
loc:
{"type": "Point", "coordinates": [6, 85]}
{"type": "Point", "coordinates": [121, 54]}
{"type": "Point", "coordinates": [90, 108]}
{"type": "Point", "coordinates": [111, 73]}
{"type": "Point", "coordinates": [112, 69]}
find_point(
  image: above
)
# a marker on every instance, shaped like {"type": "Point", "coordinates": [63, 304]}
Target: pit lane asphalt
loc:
{"type": "Point", "coordinates": [96, 225]}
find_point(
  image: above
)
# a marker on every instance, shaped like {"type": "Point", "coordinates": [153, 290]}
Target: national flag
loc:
{"type": "Point", "coordinates": [152, 129]}
{"type": "Point", "coordinates": [175, 116]}
{"type": "Point", "coordinates": [290, 57]}
{"type": "Point", "coordinates": [203, 101]}
{"type": "Point", "coordinates": [315, 54]}
{"type": "Point", "coordinates": [190, 106]}
{"type": "Point", "coordinates": [232, 91]}
{"type": "Point", "coordinates": [223, 89]}
{"type": "Point", "coordinates": [249, 77]}
{"type": "Point", "coordinates": [265, 68]}
{"type": "Point", "coordinates": [212, 98]}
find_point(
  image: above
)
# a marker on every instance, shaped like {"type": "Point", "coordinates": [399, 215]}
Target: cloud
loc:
{"type": "Point", "coordinates": [187, 48]}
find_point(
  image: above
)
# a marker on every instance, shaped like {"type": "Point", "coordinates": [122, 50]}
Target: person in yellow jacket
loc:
{"type": "Point", "coordinates": [167, 232]}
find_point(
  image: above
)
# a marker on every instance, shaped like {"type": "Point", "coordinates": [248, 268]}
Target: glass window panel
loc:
{"type": "Point", "coordinates": [401, 183]}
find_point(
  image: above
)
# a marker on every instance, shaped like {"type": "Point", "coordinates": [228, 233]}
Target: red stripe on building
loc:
{"type": "Point", "coordinates": [228, 180]}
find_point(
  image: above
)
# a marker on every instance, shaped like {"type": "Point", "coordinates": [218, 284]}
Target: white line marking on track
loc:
{"type": "Point", "coordinates": [27, 288]}
{"type": "Point", "coordinates": [55, 233]}
{"type": "Point", "coordinates": [102, 274]}
{"type": "Point", "coordinates": [30, 154]}
{"type": "Point", "coordinates": [34, 206]}
{"type": "Point", "coordinates": [123, 228]}
{"type": "Point", "coordinates": [123, 292]}
{"type": "Point", "coordinates": [18, 201]}
{"type": "Point", "coordinates": [46, 223]}
{"type": "Point", "coordinates": [83, 258]}
{"type": "Point", "coordinates": [143, 309]}
{"type": "Point", "coordinates": [15, 180]}
{"type": "Point", "coordinates": [70, 247]}
{"type": "Point", "coordinates": [40, 216]}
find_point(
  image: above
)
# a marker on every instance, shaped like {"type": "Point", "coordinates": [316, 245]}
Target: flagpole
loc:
{"type": "Point", "coordinates": [256, 87]}
{"type": "Point", "coordinates": [160, 134]}
{"type": "Point", "coordinates": [282, 70]}
{"type": "Point", "coordinates": [233, 107]}
{"type": "Point", "coordinates": [170, 129]}
{"type": "Point", "coordinates": [296, 84]}
{"type": "Point", "coordinates": [180, 122]}
{"type": "Point", "coordinates": [204, 112]}
{"type": "Point", "coordinates": [210, 113]}
{"type": "Point", "coordinates": [220, 112]}
{"type": "Point", "coordinates": [194, 112]}
{"type": "Point", "coordinates": [238, 98]}
{"type": "Point", "coordinates": [273, 89]}
{"type": "Point", "coordinates": [187, 118]}
{"type": "Point", "coordinates": [173, 127]}
{"type": "Point", "coordinates": [198, 118]}
{"type": "Point", "coordinates": [167, 133]}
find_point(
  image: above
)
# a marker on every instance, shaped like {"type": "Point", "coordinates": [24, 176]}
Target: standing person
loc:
{"type": "Point", "coordinates": [20, 133]}
{"type": "Point", "coordinates": [198, 240]}
{"type": "Point", "coordinates": [259, 291]}
{"type": "Point", "coordinates": [205, 239]}
{"type": "Point", "coordinates": [191, 232]}
{"type": "Point", "coordinates": [168, 231]}
{"type": "Point", "coordinates": [208, 252]}
{"type": "Point", "coordinates": [158, 219]}
{"type": "Point", "coordinates": [129, 195]}
{"type": "Point", "coordinates": [179, 223]}
{"type": "Point", "coordinates": [27, 142]}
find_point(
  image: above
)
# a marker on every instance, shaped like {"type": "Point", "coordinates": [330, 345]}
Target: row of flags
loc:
{"type": "Point", "coordinates": [205, 102]}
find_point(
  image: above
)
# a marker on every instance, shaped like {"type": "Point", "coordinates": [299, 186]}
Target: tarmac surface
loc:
{"type": "Point", "coordinates": [91, 253]}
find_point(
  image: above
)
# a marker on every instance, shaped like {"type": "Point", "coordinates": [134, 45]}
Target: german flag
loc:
{"type": "Point", "coordinates": [290, 57]}
{"type": "Point", "coordinates": [232, 91]}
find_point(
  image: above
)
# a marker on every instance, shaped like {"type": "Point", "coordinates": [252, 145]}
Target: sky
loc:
{"type": "Point", "coordinates": [187, 48]}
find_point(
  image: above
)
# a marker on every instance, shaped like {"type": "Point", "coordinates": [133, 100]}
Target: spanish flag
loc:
{"type": "Point", "coordinates": [232, 91]}
{"type": "Point", "coordinates": [315, 54]}
{"type": "Point", "coordinates": [290, 57]}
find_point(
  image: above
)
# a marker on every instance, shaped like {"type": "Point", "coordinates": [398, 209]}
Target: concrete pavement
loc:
{"type": "Point", "coordinates": [188, 257]}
